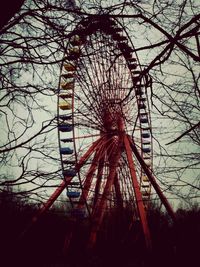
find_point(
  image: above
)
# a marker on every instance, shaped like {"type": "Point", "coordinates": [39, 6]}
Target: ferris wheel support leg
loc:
{"type": "Point", "coordinates": [100, 207]}
{"type": "Point", "coordinates": [118, 192]}
{"type": "Point", "coordinates": [87, 154]}
{"type": "Point", "coordinates": [138, 194]}
{"type": "Point", "coordinates": [88, 180]}
{"type": "Point", "coordinates": [152, 180]}
{"type": "Point", "coordinates": [99, 180]}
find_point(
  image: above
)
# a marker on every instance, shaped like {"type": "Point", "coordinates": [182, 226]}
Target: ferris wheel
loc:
{"type": "Point", "coordinates": [104, 126]}
{"type": "Point", "coordinates": [102, 103]}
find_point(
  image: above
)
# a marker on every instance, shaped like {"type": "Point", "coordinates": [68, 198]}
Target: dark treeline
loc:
{"type": "Point", "coordinates": [173, 245]}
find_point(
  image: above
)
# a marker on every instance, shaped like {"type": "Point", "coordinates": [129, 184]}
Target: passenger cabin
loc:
{"type": "Point", "coordinates": [144, 120]}
{"type": "Point", "coordinates": [73, 194]}
{"type": "Point", "coordinates": [66, 151]}
{"type": "Point", "coordinates": [145, 135]}
{"type": "Point", "coordinates": [146, 149]}
{"type": "Point", "coordinates": [65, 105]}
{"type": "Point", "coordinates": [67, 85]}
{"type": "Point", "coordinates": [69, 172]}
{"type": "Point", "coordinates": [65, 117]}
{"type": "Point", "coordinates": [145, 178]}
{"type": "Point", "coordinates": [65, 127]}
{"type": "Point", "coordinates": [68, 75]}
{"type": "Point", "coordinates": [66, 140]}
{"type": "Point", "coordinates": [141, 106]}
{"type": "Point", "coordinates": [65, 95]}
{"type": "Point", "coordinates": [69, 162]}
{"type": "Point", "coordinates": [69, 67]}
{"type": "Point", "coordinates": [139, 91]}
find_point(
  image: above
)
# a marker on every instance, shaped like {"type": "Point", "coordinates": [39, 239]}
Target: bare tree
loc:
{"type": "Point", "coordinates": [165, 35]}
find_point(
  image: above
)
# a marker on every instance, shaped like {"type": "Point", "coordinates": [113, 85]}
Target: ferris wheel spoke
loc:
{"type": "Point", "coordinates": [88, 179]}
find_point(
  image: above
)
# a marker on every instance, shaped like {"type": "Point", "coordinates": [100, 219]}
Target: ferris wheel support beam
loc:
{"type": "Point", "coordinates": [88, 180]}
{"type": "Point", "coordinates": [152, 180]}
{"type": "Point", "coordinates": [99, 180]}
{"type": "Point", "coordinates": [118, 192]}
{"type": "Point", "coordinates": [138, 194]}
{"type": "Point", "coordinates": [100, 206]}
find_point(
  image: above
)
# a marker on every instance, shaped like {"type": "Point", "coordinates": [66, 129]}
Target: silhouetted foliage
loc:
{"type": "Point", "coordinates": [173, 245]}
{"type": "Point", "coordinates": [165, 35]}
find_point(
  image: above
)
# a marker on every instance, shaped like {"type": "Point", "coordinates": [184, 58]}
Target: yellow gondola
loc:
{"type": "Point", "coordinates": [65, 105]}
{"type": "Point", "coordinates": [145, 178]}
